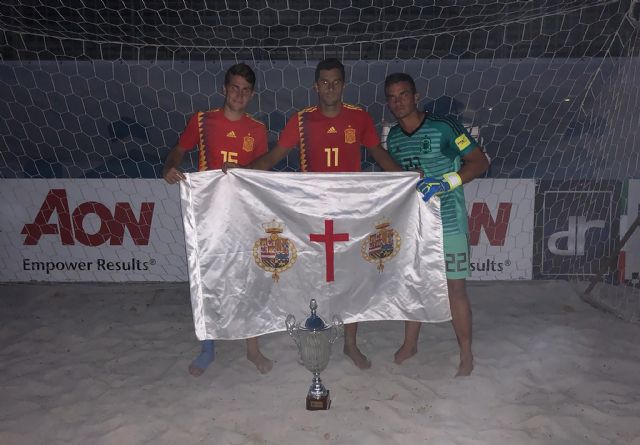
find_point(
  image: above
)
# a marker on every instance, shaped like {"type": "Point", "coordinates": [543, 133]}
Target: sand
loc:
{"type": "Point", "coordinates": [107, 364]}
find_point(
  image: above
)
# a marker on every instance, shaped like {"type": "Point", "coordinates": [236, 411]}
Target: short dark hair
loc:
{"type": "Point", "coordinates": [243, 70]}
{"type": "Point", "coordinates": [329, 64]}
{"type": "Point", "coordinates": [400, 77]}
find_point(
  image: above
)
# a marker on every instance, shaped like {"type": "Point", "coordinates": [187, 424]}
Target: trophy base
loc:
{"type": "Point", "coordinates": [322, 403]}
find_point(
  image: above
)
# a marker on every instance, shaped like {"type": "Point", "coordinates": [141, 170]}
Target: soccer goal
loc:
{"type": "Point", "coordinates": [99, 91]}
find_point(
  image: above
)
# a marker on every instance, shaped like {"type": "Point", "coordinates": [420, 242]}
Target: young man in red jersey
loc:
{"type": "Point", "coordinates": [226, 135]}
{"type": "Point", "coordinates": [329, 137]}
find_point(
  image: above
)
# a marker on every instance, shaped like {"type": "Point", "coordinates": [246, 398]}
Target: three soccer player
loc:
{"type": "Point", "coordinates": [329, 136]}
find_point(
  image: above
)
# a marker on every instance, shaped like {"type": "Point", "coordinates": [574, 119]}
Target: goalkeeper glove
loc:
{"type": "Point", "coordinates": [431, 186]}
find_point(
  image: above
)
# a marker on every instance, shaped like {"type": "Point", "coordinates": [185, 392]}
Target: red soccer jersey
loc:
{"type": "Point", "coordinates": [330, 144]}
{"type": "Point", "coordinates": [220, 140]}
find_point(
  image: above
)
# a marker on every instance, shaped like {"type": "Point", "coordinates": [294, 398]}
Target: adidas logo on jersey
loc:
{"type": "Point", "coordinates": [332, 130]}
{"type": "Point", "coordinates": [231, 134]}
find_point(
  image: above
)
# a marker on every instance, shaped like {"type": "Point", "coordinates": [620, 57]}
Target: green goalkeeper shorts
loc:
{"type": "Point", "coordinates": [456, 256]}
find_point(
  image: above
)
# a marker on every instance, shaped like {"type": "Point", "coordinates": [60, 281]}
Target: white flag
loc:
{"type": "Point", "coordinates": [260, 245]}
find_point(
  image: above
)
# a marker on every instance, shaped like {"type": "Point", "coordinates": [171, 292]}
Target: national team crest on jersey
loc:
{"type": "Point", "coordinates": [381, 245]}
{"type": "Point", "coordinates": [462, 142]}
{"type": "Point", "coordinates": [350, 135]}
{"type": "Point", "coordinates": [426, 145]}
{"type": "Point", "coordinates": [247, 143]}
{"type": "Point", "coordinates": [274, 253]}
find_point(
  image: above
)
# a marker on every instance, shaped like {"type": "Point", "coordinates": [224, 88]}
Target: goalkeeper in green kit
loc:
{"type": "Point", "coordinates": [437, 145]}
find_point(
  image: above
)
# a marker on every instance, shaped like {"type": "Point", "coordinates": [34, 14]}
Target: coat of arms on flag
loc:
{"type": "Point", "coordinates": [274, 253]}
{"type": "Point", "coordinates": [381, 245]}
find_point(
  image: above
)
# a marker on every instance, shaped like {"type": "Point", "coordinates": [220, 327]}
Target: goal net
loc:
{"type": "Point", "coordinates": [97, 91]}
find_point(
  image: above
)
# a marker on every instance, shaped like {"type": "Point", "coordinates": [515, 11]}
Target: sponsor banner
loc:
{"type": "Point", "coordinates": [131, 230]}
{"type": "Point", "coordinates": [630, 255]}
{"type": "Point", "coordinates": [575, 227]}
{"type": "Point", "coordinates": [501, 215]}
{"type": "Point", "coordinates": [91, 230]}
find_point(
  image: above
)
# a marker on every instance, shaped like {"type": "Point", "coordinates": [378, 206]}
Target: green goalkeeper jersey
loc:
{"type": "Point", "coordinates": [436, 147]}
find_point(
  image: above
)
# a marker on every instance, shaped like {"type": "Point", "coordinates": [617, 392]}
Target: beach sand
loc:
{"type": "Point", "coordinates": [107, 364]}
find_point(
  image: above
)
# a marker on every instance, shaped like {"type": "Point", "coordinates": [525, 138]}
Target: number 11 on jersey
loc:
{"type": "Point", "coordinates": [332, 156]}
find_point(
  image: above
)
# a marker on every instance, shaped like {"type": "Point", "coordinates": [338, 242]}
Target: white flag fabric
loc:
{"type": "Point", "coordinates": [260, 245]}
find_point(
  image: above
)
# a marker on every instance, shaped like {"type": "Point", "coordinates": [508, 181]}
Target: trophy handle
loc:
{"type": "Point", "coordinates": [336, 328]}
{"type": "Point", "coordinates": [292, 327]}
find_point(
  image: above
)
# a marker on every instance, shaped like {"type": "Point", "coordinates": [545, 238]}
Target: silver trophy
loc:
{"type": "Point", "coordinates": [314, 340]}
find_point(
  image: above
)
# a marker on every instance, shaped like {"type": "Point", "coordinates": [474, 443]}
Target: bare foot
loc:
{"type": "Point", "coordinates": [359, 359]}
{"type": "Point", "coordinates": [404, 353]}
{"type": "Point", "coordinates": [466, 365]}
{"type": "Point", "coordinates": [263, 364]}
